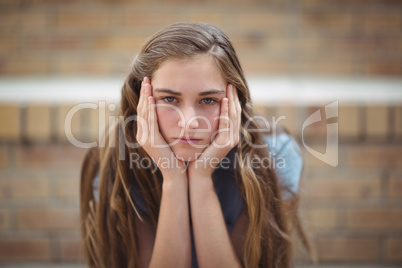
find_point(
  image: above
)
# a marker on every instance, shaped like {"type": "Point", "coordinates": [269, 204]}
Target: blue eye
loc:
{"type": "Point", "coordinates": [169, 99]}
{"type": "Point", "coordinates": [208, 101]}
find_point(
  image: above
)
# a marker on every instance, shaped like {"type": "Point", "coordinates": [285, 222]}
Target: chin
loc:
{"type": "Point", "coordinates": [187, 155]}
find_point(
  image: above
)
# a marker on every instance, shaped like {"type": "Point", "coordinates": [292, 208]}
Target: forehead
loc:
{"type": "Point", "coordinates": [189, 75]}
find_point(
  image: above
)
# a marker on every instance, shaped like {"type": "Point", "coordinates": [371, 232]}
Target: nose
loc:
{"type": "Point", "coordinates": [189, 118]}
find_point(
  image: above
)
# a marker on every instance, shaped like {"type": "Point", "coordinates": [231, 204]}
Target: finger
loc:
{"type": "Point", "coordinates": [150, 86]}
{"type": "Point", "coordinates": [221, 139]}
{"type": "Point", "coordinates": [223, 121]}
{"type": "Point", "coordinates": [141, 115]}
{"type": "Point", "coordinates": [237, 116]}
{"type": "Point", "coordinates": [145, 108]}
{"type": "Point", "coordinates": [232, 105]}
{"type": "Point", "coordinates": [144, 113]}
{"type": "Point", "coordinates": [234, 125]}
{"type": "Point", "coordinates": [142, 103]}
{"type": "Point", "coordinates": [153, 120]}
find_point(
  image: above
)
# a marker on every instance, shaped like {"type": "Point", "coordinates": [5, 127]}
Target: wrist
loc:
{"type": "Point", "coordinates": [200, 185]}
{"type": "Point", "coordinates": [200, 168]}
{"type": "Point", "coordinates": [174, 177]}
{"type": "Point", "coordinates": [194, 176]}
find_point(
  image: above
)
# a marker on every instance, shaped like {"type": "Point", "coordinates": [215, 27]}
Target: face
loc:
{"type": "Point", "coordinates": [188, 93]}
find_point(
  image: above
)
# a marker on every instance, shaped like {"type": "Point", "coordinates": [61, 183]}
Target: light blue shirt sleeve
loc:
{"type": "Point", "coordinates": [287, 160]}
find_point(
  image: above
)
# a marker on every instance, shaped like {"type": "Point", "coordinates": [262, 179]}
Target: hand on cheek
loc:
{"type": "Point", "coordinates": [149, 137]}
{"type": "Point", "coordinates": [227, 137]}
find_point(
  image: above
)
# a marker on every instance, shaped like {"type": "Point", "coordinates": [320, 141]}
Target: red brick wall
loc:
{"type": "Point", "coordinates": [304, 37]}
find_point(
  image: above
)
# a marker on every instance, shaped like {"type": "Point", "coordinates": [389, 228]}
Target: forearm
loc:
{"type": "Point", "coordinates": [172, 246]}
{"type": "Point", "coordinates": [212, 240]}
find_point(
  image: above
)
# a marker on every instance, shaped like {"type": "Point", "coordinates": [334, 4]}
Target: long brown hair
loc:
{"type": "Point", "coordinates": [108, 225]}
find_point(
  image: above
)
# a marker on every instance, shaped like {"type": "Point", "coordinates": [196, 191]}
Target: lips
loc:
{"type": "Point", "coordinates": [188, 140]}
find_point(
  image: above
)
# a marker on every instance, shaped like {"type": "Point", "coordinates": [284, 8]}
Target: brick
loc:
{"type": "Point", "coordinates": [154, 20]}
{"type": "Point", "coordinates": [377, 118]}
{"type": "Point", "coordinates": [213, 18]}
{"type": "Point", "coordinates": [54, 42]}
{"type": "Point", "coordinates": [62, 112]}
{"type": "Point", "coordinates": [309, 159]}
{"type": "Point", "coordinates": [395, 185]}
{"type": "Point", "coordinates": [259, 65]}
{"type": "Point", "coordinates": [8, 44]}
{"type": "Point", "coordinates": [10, 20]}
{"type": "Point", "coordinates": [36, 22]}
{"type": "Point", "coordinates": [327, 66]}
{"type": "Point", "coordinates": [261, 20]}
{"type": "Point", "coordinates": [49, 156]}
{"type": "Point", "coordinates": [10, 122]}
{"type": "Point", "coordinates": [398, 122]}
{"type": "Point", "coordinates": [379, 22]}
{"type": "Point", "coordinates": [72, 250]}
{"type": "Point", "coordinates": [278, 45]}
{"type": "Point", "coordinates": [69, 188]}
{"type": "Point", "coordinates": [374, 219]}
{"type": "Point", "coordinates": [367, 155]}
{"type": "Point", "coordinates": [38, 122]}
{"type": "Point", "coordinates": [88, 62]}
{"type": "Point", "coordinates": [328, 22]}
{"type": "Point", "coordinates": [4, 161]}
{"type": "Point", "coordinates": [25, 250]}
{"type": "Point", "coordinates": [348, 45]}
{"type": "Point", "coordinates": [340, 188]}
{"type": "Point", "coordinates": [84, 20]}
{"type": "Point", "coordinates": [349, 121]}
{"type": "Point", "coordinates": [4, 219]}
{"type": "Point", "coordinates": [385, 69]}
{"type": "Point", "coordinates": [90, 125]}
{"type": "Point", "coordinates": [310, 45]}
{"type": "Point", "coordinates": [393, 249]}
{"type": "Point", "coordinates": [253, 41]}
{"type": "Point", "coordinates": [25, 188]}
{"type": "Point", "coordinates": [48, 219]}
{"type": "Point", "coordinates": [126, 43]}
{"type": "Point", "coordinates": [37, 63]}
{"type": "Point", "coordinates": [347, 249]}
{"type": "Point", "coordinates": [321, 218]}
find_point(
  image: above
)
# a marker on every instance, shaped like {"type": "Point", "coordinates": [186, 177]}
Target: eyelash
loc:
{"type": "Point", "coordinates": [212, 101]}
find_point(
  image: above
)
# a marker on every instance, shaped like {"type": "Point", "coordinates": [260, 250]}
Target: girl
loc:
{"type": "Point", "coordinates": [191, 181]}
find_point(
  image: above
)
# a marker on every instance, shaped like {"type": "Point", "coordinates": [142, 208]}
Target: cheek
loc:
{"type": "Point", "coordinates": [211, 120]}
{"type": "Point", "coordinates": [167, 119]}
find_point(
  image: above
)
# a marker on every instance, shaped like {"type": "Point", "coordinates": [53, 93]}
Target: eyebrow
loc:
{"type": "Point", "coordinates": [176, 93]}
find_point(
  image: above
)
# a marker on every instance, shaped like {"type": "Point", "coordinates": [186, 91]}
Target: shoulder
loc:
{"type": "Point", "coordinates": [286, 159]}
{"type": "Point", "coordinates": [280, 142]}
